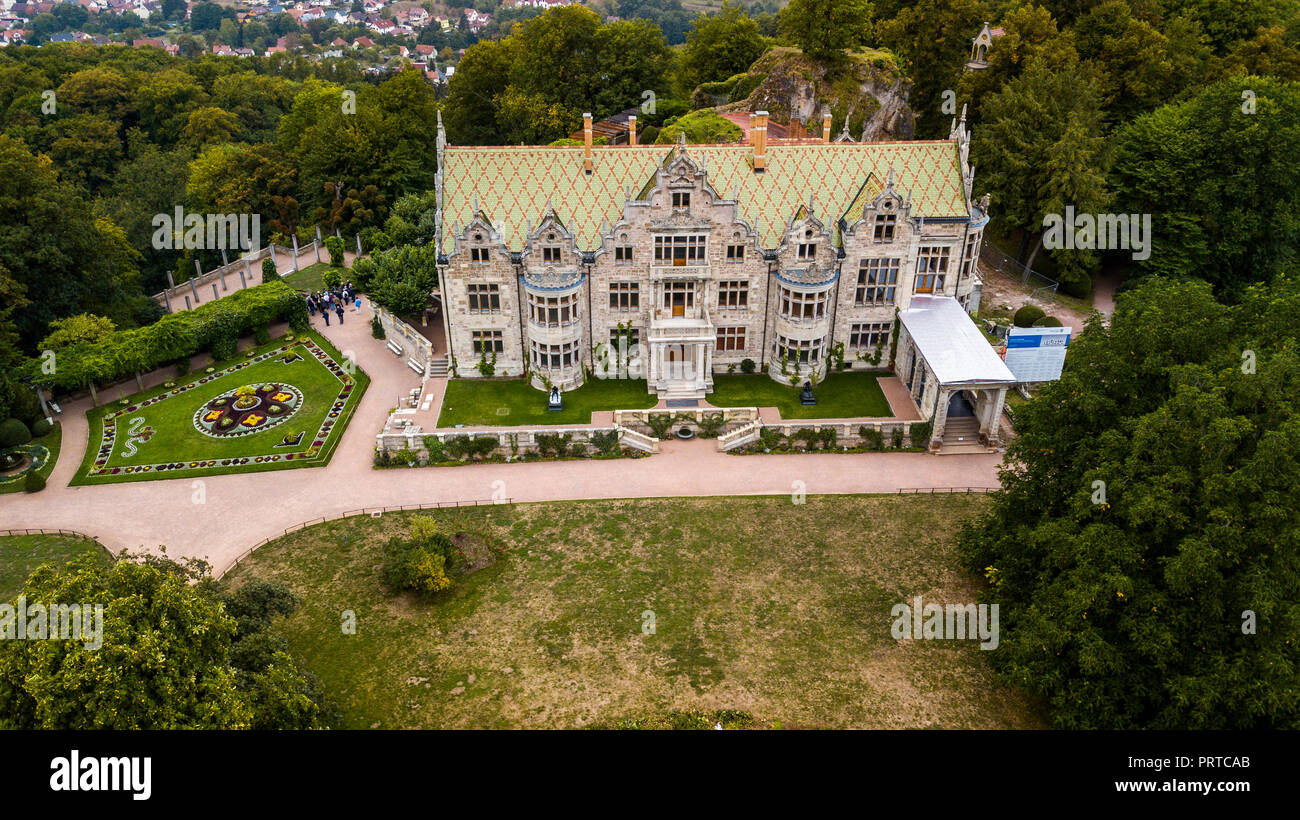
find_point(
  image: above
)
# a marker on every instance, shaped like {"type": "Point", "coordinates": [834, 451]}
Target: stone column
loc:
{"type": "Point", "coordinates": [246, 274]}
{"type": "Point", "coordinates": [358, 245]}
{"type": "Point", "coordinates": [318, 241]}
{"type": "Point", "coordinates": [995, 402]}
{"type": "Point", "coordinates": [194, 290]}
{"type": "Point", "coordinates": [215, 294]}
{"type": "Point", "coordinates": [295, 253]}
{"type": "Point", "coordinates": [940, 415]}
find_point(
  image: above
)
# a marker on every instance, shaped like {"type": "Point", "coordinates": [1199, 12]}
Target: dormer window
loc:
{"type": "Point", "coordinates": [807, 250]}
{"type": "Point", "coordinates": [885, 227]}
{"type": "Point", "coordinates": [681, 199]}
{"type": "Point", "coordinates": [551, 254]}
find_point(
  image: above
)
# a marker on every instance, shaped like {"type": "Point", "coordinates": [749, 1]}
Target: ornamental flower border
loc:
{"type": "Point", "coordinates": [312, 453]}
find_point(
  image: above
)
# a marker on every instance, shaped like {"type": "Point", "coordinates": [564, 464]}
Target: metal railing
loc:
{"type": "Point", "coordinates": [934, 490]}
{"type": "Point", "coordinates": [73, 533]}
{"type": "Point", "coordinates": [374, 512]}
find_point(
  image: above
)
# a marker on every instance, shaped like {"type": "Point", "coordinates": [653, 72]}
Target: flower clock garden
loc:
{"type": "Point", "coordinates": [283, 405]}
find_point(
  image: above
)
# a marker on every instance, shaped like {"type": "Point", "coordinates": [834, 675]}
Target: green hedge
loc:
{"type": "Point", "coordinates": [214, 327]}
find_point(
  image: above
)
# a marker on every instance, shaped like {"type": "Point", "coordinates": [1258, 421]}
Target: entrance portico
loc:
{"type": "Point", "coordinates": [682, 335]}
{"type": "Point", "coordinates": [681, 366]}
{"type": "Point", "coordinates": [949, 367]}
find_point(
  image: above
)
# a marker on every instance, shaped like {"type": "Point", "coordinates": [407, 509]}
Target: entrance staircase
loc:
{"type": "Point", "coordinates": [961, 434]}
{"type": "Point", "coordinates": [438, 368]}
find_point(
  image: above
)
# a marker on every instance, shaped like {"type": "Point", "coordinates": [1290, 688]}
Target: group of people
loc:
{"type": "Point", "coordinates": [333, 299]}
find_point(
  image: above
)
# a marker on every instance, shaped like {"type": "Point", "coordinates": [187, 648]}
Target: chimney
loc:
{"type": "Point", "coordinates": [758, 138]}
{"type": "Point", "coordinates": [826, 124]}
{"type": "Point", "coordinates": [586, 142]}
{"type": "Point", "coordinates": [631, 130]}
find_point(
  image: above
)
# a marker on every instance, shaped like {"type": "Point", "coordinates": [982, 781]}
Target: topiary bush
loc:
{"type": "Point", "coordinates": [377, 328]}
{"type": "Point", "coordinates": [41, 427]}
{"type": "Point", "coordinates": [269, 273]}
{"type": "Point", "coordinates": [747, 366]}
{"type": "Point", "coordinates": [335, 246]}
{"type": "Point", "coordinates": [34, 482]}
{"type": "Point", "coordinates": [1048, 321]}
{"type": "Point", "coordinates": [13, 433]}
{"type": "Point", "coordinates": [1027, 315]}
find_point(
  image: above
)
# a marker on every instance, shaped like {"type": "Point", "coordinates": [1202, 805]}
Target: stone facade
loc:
{"type": "Point", "coordinates": [692, 287]}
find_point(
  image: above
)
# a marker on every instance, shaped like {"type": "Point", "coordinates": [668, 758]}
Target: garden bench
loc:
{"type": "Point", "coordinates": [395, 347]}
{"type": "Point", "coordinates": [418, 367]}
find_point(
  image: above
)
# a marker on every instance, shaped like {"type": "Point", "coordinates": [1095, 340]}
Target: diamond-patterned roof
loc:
{"type": "Point", "coordinates": [513, 185]}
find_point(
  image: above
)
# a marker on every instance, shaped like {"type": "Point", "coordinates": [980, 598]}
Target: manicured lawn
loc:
{"type": "Point", "coordinates": [512, 402]}
{"type": "Point", "coordinates": [310, 277]}
{"type": "Point", "coordinates": [296, 423]}
{"type": "Point", "coordinates": [20, 554]}
{"type": "Point", "coordinates": [601, 611]}
{"type": "Point", "coordinates": [52, 441]}
{"type": "Point", "coordinates": [839, 396]}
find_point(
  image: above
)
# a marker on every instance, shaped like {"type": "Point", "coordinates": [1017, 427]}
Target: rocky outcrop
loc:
{"type": "Point", "coordinates": [868, 92]}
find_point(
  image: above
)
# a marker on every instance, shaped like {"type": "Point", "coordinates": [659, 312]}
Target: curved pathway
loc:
{"type": "Point", "coordinates": [219, 517]}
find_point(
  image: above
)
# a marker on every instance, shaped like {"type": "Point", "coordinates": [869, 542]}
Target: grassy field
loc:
{"type": "Point", "coordinates": [156, 430]}
{"type": "Point", "coordinates": [311, 277]}
{"type": "Point", "coordinates": [510, 402]}
{"type": "Point", "coordinates": [839, 396]}
{"type": "Point", "coordinates": [53, 441]}
{"type": "Point", "coordinates": [758, 605]}
{"type": "Point", "coordinates": [20, 554]}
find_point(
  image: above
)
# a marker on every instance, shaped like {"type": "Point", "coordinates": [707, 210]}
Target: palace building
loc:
{"type": "Point", "coordinates": [555, 261]}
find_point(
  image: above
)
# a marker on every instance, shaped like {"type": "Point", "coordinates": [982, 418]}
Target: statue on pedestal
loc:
{"type": "Point", "coordinates": [555, 402]}
{"type": "Point", "coordinates": [806, 397]}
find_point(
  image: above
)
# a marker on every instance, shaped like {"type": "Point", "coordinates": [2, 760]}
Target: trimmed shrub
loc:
{"type": "Point", "coordinates": [262, 335]}
{"type": "Point", "coordinates": [377, 328]}
{"type": "Point", "coordinates": [214, 327]}
{"type": "Point", "coordinates": [1048, 321]}
{"type": "Point", "coordinates": [13, 433]}
{"type": "Point", "coordinates": [747, 366]}
{"type": "Point", "coordinates": [269, 273]}
{"type": "Point", "coordinates": [224, 348]}
{"type": "Point", "coordinates": [41, 427]}
{"type": "Point", "coordinates": [335, 246]}
{"type": "Point", "coordinates": [897, 438]}
{"type": "Point", "coordinates": [34, 482]}
{"type": "Point", "coordinates": [1027, 315]}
